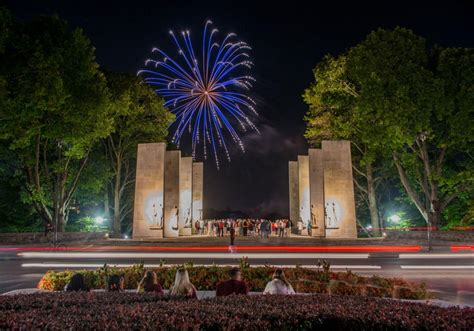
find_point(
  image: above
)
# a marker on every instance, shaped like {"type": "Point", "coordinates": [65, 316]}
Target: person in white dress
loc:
{"type": "Point", "coordinates": [279, 284]}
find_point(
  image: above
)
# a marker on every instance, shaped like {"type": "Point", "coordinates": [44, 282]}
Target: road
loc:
{"type": "Point", "coordinates": [449, 274]}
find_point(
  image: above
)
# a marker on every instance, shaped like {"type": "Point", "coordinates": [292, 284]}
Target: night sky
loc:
{"type": "Point", "coordinates": [287, 41]}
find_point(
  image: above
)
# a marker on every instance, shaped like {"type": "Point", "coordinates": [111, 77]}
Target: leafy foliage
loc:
{"type": "Point", "coordinates": [139, 117]}
{"type": "Point", "coordinates": [127, 311]}
{"type": "Point", "coordinates": [206, 278]}
{"type": "Point", "coordinates": [403, 105]}
{"type": "Point", "coordinates": [55, 110]}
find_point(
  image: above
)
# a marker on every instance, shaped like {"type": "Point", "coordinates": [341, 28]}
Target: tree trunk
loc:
{"type": "Point", "coordinates": [106, 204]}
{"type": "Point", "coordinates": [372, 197]}
{"type": "Point", "coordinates": [408, 188]}
{"type": "Point", "coordinates": [61, 220]}
{"type": "Point", "coordinates": [434, 215]}
{"type": "Point", "coordinates": [116, 229]}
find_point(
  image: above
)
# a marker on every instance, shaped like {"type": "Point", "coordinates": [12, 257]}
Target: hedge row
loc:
{"type": "Point", "coordinates": [205, 278]}
{"type": "Point", "coordinates": [130, 311]}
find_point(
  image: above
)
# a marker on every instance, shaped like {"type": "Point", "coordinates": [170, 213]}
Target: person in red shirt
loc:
{"type": "Point", "coordinates": [221, 228]}
{"type": "Point", "coordinates": [234, 285]}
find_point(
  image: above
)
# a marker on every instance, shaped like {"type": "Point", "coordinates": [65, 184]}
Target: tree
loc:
{"type": "Point", "coordinates": [422, 103]}
{"type": "Point", "coordinates": [394, 97]}
{"type": "Point", "coordinates": [140, 117]}
{"type": "Point", "coordinates": [56, 110]}
{"type": "Point", "coordinates": [333, 114]}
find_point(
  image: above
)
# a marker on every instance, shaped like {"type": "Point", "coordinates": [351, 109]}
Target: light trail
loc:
{"type": "Point", "coordinates": [288, 249]}
{"type": "Point", "coordinates": [112, 255]}
{"type": "Point", "coordinates": [436, 256]}
{"type": "Point", "coordinates": [433, 267]}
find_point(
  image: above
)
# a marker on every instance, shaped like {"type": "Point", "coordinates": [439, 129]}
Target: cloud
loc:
{"type": "Point", "coordinates": [271, 141]}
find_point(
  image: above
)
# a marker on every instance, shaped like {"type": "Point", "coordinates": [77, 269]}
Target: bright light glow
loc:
{"type": "Point", "coordinates": [99, 220]}
{"type": "Point", "coordinates": [125, 236]}
{"type": "Point", "coordinates": [369, 227]}
{"type": "Point", "coordinates": [395, 218]}
{"type": "Point", "coordinates": [206, 88]}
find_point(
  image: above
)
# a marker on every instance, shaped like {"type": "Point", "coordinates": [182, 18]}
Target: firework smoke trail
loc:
{"type": "Point", "coordinates": [207, 96]}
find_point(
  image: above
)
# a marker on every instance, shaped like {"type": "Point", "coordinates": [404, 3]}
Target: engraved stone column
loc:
{"type": "Point", "coordinates": [293, 194]}
{"type": "Point", "coordinates": [316, 185]}
{"type": "Point", "coordinates": [198, 177]}
{"type": "Point", "coordinates": [339, 190]}
{"type": "Point", "coordinates": [304, 195]}
{"type": "Point", "coordinates": [185, 196]}
{"type": "Point", "coordinates": [171, 202]}
{"type": "Point", "coordinates": [149, 187]}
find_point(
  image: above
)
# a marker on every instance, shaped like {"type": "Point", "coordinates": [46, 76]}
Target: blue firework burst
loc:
{"type": "Point", "coordinates": [209, 96]}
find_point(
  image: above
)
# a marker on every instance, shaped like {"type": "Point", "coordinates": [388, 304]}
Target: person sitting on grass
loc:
{"type": "Point", "coordinates": [279, 284]}
{"type": "Point", "coordinates": [149, 283]}
{"type": "Point", "coordinates": [234, 285]}
{"type": "Point", "coordinates": [116, 283]}
{"type": "Point", "coordinates": [182, 286]}
{"type": "Point", "coordinates": [76, 283]}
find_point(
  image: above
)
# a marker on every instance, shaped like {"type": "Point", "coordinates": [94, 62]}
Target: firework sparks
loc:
{"type": "Point", "coordinates": [209, 96]}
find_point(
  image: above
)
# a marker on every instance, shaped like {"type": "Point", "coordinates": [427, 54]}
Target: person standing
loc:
{"type": "Point", "coordinates": [310, 229]}
{"type": "Point", "coordinates": [266, 226]}
{"type": "Point", "coordinates": [221, 228]}
{"type": "Point", "coordinates": [201, 227]}
{"type": "Point", "coordinates": [232, 234]}
{"type": "Point", "coordinates": [245, 227]}
{"type": "Point", "coordinates": [281, 228]}
{"type": "Point", "coordinates": [300, 227]}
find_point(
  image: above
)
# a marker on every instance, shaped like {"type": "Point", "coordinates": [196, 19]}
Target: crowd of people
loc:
{"type": "Point", "coordinates": [244, 227]}
{"type": "Point", "coordinates": [182, 286]}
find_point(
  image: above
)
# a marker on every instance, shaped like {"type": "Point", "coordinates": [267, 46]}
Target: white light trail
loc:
{"type": "Point", "coordinates": [163, 255]}
{"type": "Point", "coordinates": [437, 256]}
{"type": "Point", "coordinates": [430, 267]}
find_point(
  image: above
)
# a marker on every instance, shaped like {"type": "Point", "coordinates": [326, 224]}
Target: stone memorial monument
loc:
{"type": "Point", "coordinates": [197, 193]}
{"type": "Point", "coordinates": [185, 196]}
{"type": "Point", "coordinates": [149, 191]}
{"type": "Point", "coordinates": [294, 194]}
{"type": "Point", "coordinates": [168, 193]}
{"type": "Point", "coordinates": [326, 191]}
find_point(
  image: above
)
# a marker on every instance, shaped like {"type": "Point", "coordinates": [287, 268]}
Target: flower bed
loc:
{"type": "Point", "coordinates": [127, 311]}
{"type": "Point", "coordinates": [205, 278]}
